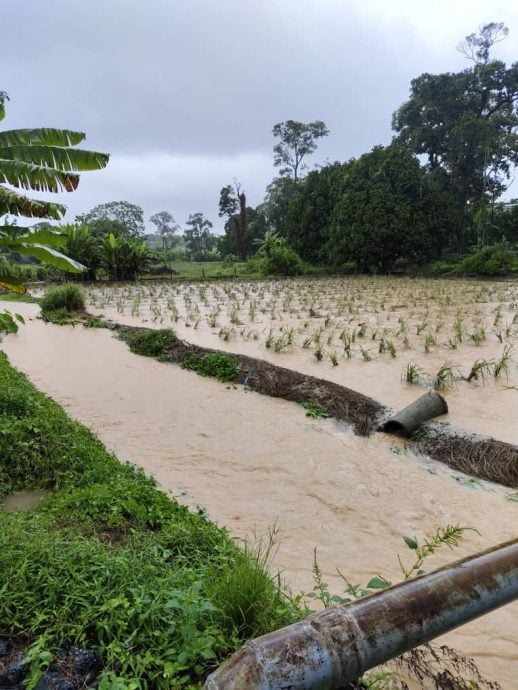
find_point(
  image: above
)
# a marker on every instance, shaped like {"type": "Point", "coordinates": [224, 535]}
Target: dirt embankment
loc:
{"type": "Point", "coordinates": [478, 456]}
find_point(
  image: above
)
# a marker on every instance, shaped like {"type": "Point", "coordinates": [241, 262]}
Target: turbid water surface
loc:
{"type": "Point", "coordinates": [252, 462]}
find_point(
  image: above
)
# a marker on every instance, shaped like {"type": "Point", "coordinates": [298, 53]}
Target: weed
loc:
{"type": "Point", "coordinates": [314, 410]}
{"type": "Point", "coordinates": [70, 297]}
{"type": "Point", "coordinates": [214, 364]}
{"type": "Point", "coordinates": [150, 343]}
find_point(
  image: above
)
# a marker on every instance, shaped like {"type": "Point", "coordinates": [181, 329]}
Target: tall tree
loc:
{"type": "Point", "coordinates": [166, 227]}
{"type": "Point", "coordinates": [389, 208]}
{"type": "Point", "coordinates": [297, 140]}
{"type": "Point", "coordinates": [467, 124]}
{"type": "Point", "coordinates": [476, 47]}
{"type": "Point", "coordinates": [232, 204]}
{"type": "Point", "coordinates": [116, 217]}
{"type": "Point", "coordinates": [197, 235]}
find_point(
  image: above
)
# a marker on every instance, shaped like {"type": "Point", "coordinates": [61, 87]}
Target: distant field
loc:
{"type": "Point", "coordinates": [208, 269]}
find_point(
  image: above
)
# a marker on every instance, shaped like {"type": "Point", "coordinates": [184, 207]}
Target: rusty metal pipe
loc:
{"type": "Point", "coordinates": [336, 646]}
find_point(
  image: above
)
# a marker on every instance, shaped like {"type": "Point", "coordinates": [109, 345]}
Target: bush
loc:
{"type": "Point", "coordinates": [70, 297]}
{"type": "Point", "coordinates": [487, 261]}
{"type": "Point", "coordinates": [150, 343]}
{"type": "Point", "coordinates": [277, 258]}
{"type": "Point", "coordinates": [219, 366]}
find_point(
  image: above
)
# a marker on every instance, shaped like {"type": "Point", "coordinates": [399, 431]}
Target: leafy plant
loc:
{"type": "Point", "coordinates": [413, 373]}
{"type": "Point", "coordinates": [70, 297]}
{"type": "Point", "coordinates": [314, 410]}
{"type": "Point", "coordinates": [214, 364]}
{"type": "Point", "coordinates": [150, 343]}
{"type": "Point", "coordinates": [445, 378]}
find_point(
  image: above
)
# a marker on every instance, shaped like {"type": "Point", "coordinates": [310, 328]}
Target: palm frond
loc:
{"type": "Point", "coordinates": [41, 179]}
{"type": "Point", "coordinates": [16, 204]}
{"type": "Point", "coordinates": [55, 157]}
{"type": "Point", "coordinates": [48, 256]}
{"type": "Point", "coordinates": [10, 234]}
{"type": "Point", "coordinates": [46, 136]}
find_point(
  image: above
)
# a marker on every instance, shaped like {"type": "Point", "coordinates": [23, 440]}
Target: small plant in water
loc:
{"type": "Point", "coordinates": [314, 410]}
{"type": "Point", "coordinates": [445, 378]}
{"type": "Point", "coordinates": [413, 373]}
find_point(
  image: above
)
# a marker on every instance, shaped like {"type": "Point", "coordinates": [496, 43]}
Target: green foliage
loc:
{"type": "Point", "coordinates": [387, 207]}
{"type": "Point", "coordinates": [494, 259]}
{"type": "Point", "coordinates": [70, 297]}
{"type": "Point", "coordinates": [213, 364]}
{"type": "Point", "coordinates": [124, 257]}
{"type": "Point", "coordinates": [197, 236]}
{"type": "Point", "coordinates": [278, 258]}
{"type": "Point", "coordinates": [131, 499]}
{"type": "Point", "coordinates": [166, 227]}
{"type": "Point", "coordinates": [116, 217]}
{"type": "Point", "coordinates": [42, 160]}
{"type": "Point", "coordinates": [466, 124]}
{"type": "Point", "coordinates": [150, 343]}
{"type": "Point", "coordinates": [9, 322]}
{"type": "Point", "coordinates": [314, 410]}
{"type": "Point", "coordinates": [297, 140]}
{"type": "Point", "coordinates": [111, 563]}
{"type": "Point", "coordinates": [310, 211]}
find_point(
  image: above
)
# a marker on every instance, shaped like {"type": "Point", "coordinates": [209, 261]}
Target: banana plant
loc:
{"type": "Point", "coordinates": [41, 160]}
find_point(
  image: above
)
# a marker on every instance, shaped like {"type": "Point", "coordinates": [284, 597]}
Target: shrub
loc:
{"type": "Point", "coordinates": [150, 343]}
{"type": "Point", "coordinates": [277, 258]}
{"type": "Point", "coordinates": [70, 297]}
{"type": "Point", "coordinates": [214, 364]}
{"type": "Point", "coordinates": [488, 261]}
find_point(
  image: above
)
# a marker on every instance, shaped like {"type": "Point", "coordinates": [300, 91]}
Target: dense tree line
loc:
{"type": "Point", "coordinates": [432, 191]}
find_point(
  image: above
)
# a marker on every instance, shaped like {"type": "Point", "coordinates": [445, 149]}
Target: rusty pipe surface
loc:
{"type": "Point", "coordinates": [338, 645]}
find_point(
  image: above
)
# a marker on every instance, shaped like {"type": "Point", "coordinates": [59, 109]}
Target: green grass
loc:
{"type": "Point", "coordinates": [219, 366]}
{"type": "Point", "coordinates": [110, 562]}
{"type": "Point", "coordinates": [149, 343]}
{"type": "Point", "coordinates": [191, 270]}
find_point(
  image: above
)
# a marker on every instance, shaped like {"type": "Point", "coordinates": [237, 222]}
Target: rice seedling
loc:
{"type": "Point", "coordinates": [458, 327]}
{"type": "Point", "coordinates": [501, 366]}
{"type": "Point", "coordinates": [366, 354]}
{"type": "Point", "coordinates": [429, 342]}
{"type": "Point", "coordinates": [413, 374]}
{"type": "Point", "coordinates": [479, 335]}
{"type": "Point", "coordinates": [319, 353]}
{"type": "Point", "coordinates": [445, 378]}
{"type": "Point", "coordinates": [334, 359]}
{"type": "Point", "coordinates": [481, 369]}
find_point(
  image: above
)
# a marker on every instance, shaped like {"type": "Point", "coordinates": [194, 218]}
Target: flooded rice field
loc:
{"type": "Point", "coordinates": [383, 337]}
{"type": "Point", "coordinates": [253, 462]}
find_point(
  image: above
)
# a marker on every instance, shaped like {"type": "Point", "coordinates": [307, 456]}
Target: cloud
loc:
{"type": "Point", "coordinates": [179, 183]}
{"type": "Point", "coordinates": [184, 93]}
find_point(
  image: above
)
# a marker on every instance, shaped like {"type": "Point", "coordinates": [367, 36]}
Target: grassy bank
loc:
{"type": "Point", "coordinates": [108, 562]}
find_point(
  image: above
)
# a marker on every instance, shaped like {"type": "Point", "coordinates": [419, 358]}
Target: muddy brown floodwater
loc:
{"type": "Point", "coordinates": [252, 461]}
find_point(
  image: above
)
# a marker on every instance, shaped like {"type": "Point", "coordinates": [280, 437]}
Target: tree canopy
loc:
{"type": "Point", "coordinates": [166, 227]}
{"type": "Point", "coordinates": [116, 217]}
{"type": "Point", "coordinates": [467, 124]}
{"type": "Point", "coordinates": [297, 141]}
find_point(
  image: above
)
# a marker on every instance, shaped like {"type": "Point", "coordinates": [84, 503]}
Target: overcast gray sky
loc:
{"type": "Point", "coordinates": [184, 93]}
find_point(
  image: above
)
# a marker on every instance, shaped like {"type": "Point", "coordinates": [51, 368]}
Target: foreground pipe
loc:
{"type": "Point", "coordinates": [338, 645]}
{"type": "Point", "coordinates": [426, 407]}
